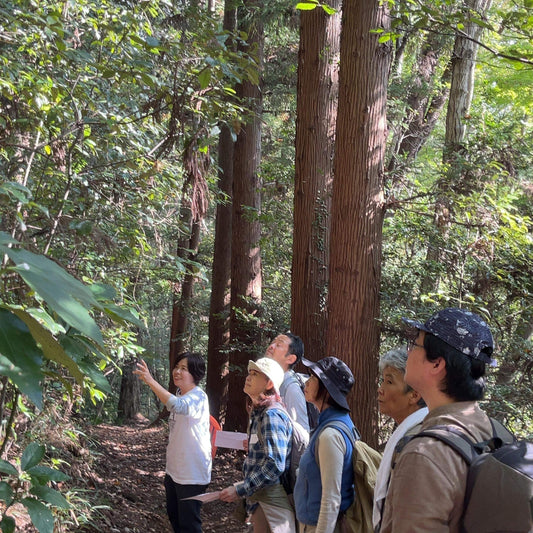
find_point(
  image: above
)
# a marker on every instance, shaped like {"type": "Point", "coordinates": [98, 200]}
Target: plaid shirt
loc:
{"type": "Point", "coordinates": [267, 449]}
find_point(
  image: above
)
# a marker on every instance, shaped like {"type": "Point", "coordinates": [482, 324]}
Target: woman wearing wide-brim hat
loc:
{"type": "Point", "coordinates": [325, 485]}
{"type": "Point", "coordinates": [269, 438]}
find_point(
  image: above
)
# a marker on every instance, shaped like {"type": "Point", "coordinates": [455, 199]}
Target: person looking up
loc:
{"type": "Point", "coordinates": [287, 350]}
{"type": "Point", "coordinates": [324, 487]}
{"type": "Point", "coordinates": [188, 457]}
{"type": "Point", "coordinates": [269, 447]}
{"type": "Point", "coordinates": [446, 363]}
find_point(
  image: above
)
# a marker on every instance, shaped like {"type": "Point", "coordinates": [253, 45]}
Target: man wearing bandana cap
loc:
{"type": "Point", "coordinates": [446, 364]}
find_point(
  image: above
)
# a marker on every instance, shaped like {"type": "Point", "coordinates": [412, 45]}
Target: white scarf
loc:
{"type": "Point", "coordinates": [383, 475]}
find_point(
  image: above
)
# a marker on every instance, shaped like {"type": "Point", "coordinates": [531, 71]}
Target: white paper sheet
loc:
{"type": "Point", "coordinates": [205, 497]}
{"type": "Point", "coordinates": [230, 439]}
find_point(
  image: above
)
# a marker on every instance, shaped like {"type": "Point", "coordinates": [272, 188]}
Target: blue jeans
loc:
{"type": "Point", "coordinates": [184, 515]}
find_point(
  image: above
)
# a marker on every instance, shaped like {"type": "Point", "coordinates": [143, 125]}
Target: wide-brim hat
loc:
{"type": "Point", "coordinates": [336, 377]}
{"type": "Point", "coordinates": [272, 370]}
{"type": "Point", "coordinates": [463, 330]}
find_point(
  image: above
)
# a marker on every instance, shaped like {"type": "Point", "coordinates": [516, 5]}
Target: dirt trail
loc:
{"type": "Point", "coordinates": [129, 480]}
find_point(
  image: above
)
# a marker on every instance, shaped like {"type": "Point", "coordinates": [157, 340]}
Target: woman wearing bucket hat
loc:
{"type": "Point", "coordinates": [325, 484]}
{"type": "Point", "coordinates": [269, 443]}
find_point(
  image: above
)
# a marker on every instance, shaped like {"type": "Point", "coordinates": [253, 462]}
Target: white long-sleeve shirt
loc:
{"type": "Point", "coordinates": [189, 440]}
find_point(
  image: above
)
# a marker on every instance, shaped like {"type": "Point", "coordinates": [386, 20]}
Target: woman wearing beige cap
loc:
{"type": "Point", "coordinates": [269, 442]}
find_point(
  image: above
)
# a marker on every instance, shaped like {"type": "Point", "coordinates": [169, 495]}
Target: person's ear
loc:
{"type": "Point", "coordinates": [438, 365]}
{"type": "Point", "coordinates": [291, 359]}
{"type": "Point", "coordinates": [414, 397]}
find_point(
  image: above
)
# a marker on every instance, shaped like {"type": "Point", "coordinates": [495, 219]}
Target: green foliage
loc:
{"type": "Point", "coordinates": [29, 485]}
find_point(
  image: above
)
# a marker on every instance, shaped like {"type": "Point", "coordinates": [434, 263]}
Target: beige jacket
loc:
{"type": "Point", "coordinates": [428, 483]}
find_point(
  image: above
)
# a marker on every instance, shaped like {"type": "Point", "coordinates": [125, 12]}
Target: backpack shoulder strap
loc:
{"type": "Point", "coordinates": [454, 438]}
{"type": "Point", "coordinates": [353, 435]}
{"type": "Point", "coordinates": [499, 431]}
{"type": "Point", "coordinates": [291, 378]}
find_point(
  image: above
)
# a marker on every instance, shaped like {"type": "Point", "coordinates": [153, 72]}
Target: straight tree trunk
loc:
{"type": "Point", "coordinates": [357, 208]}
{"type": "Point", "coordinates": [187, 250]}
{"type": "Point", "coordinates": [425, 101]}
{"type": "Point", "coordinates": [463, 64]}
{"type": "Point", "coordinates": [246, 231]}
{"type": "Point", "coordinates": [219, 308]}
{"type": "Point", "coordinates": [130, 393]}
{"type": "Point", "coordinates": [316, 114]}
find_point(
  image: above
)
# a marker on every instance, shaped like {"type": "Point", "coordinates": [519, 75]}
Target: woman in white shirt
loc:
{"type": "Point", "coordinates": [188, 461]}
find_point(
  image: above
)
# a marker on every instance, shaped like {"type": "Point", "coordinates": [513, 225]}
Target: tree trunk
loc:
{"type": "Point", "coordinates": [130, 393]}
{"type": "Point", "coordinates": [218, 353]}
{"type": "Point", "coordinates": [219, 308]}
{"type": "Point", "coordinates": [357, 207]}
{"type": "Point", "coordinates": [316, 114]}
{"type": "Point", "coordinates": [424, 102]}
{"type": "Point", "coordinates": [187, 250]}
{"type": "Point", "coordinates": [246, 231]}
{"type": "Point", "coordinates": [461, 92]}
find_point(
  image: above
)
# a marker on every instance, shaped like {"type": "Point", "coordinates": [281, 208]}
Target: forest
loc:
{"type": "Point", "coordinates": [202, 176]}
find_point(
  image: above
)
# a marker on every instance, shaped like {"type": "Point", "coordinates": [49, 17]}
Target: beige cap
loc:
{"type": "Point", "coordinates": [270, 368]}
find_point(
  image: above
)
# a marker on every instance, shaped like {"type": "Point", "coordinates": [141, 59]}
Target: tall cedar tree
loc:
{"type": "Point", "coordinates": [246, 229]}
{"type": "Point", "coordinates": [357, 206]}
{"type": "Point", "coordinates": [316, 114]}
{"type": "Point", "coordinates": [219, 334]}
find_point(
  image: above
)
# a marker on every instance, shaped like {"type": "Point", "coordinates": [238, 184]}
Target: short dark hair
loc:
{"type": "Point", "coordinates": [195, 365]}
{"type": "Point", "coordinates": [296, 347]}
{"type": "Point", "coordinates": [464, 375]}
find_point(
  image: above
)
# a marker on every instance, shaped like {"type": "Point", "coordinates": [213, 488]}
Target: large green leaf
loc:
{"type": "Point", "coordinates": [8, 468]}
{"type": "Point", "coordinates": [32, 455]}
{"type": "Point", "coordinates": [121, 314]}
{"type": "Point", "coordinates": [6, 492]}
{"type": "Point", "coordinates": [49, 345]}
{"type": "Point", "coordinates": [67, 296]}
{"type": "Point", "coordinates": [40, 515]}
{"type": "Point", "coordinates": [20, 357]}
{"type": "Point", "coordinates": [50, 495]}
{"type": "Point", "coordinates": [43, 474]}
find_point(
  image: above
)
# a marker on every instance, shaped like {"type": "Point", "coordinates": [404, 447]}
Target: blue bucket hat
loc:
{"type": "Point", "coordinates": [463, 330]}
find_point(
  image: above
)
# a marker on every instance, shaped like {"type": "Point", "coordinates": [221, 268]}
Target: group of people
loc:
{"type": "Point", "coordinates": [437, 379]}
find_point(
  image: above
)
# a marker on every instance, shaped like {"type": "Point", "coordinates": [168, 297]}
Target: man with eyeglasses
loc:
{"type": "Point", "coordinates": [446, 364]}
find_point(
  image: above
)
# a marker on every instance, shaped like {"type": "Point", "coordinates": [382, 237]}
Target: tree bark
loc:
{"type": "Point", "coordinates": [246, 230]}
{"type": "Point", "coordinates": [463, 63]}
{"type": "Point", "coordinates": [357, 207]}
{"type": "Point", "coordinates": [316, 114]}
{"type": "Point", "coordinates": [130, 393]}
{"type": "Point", "coordinates": [424, 102]}
{"type": "Point", "coordinates": [219, 308]}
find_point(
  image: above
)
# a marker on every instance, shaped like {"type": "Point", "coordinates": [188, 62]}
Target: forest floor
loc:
{"type": "Point", "coordinates": [117, 474]}
{"type": "Point", "coordinates": [128, 482]}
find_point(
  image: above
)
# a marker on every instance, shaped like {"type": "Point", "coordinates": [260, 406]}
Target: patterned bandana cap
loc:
{"type": "Point", "coordinates": [336, 377]}
{"type": "Point", "coordinates": [463, 330]}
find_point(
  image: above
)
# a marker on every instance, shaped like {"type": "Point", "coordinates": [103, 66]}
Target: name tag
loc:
{"type": "Point", "coordinates": [253, 439]}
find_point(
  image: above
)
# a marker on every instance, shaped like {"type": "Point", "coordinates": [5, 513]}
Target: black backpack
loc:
{"type": "Point", "coordinates": [499, 489]}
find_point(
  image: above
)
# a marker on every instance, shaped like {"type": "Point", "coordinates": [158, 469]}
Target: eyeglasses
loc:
{"type": "Point", "coordinates": [412, 343]}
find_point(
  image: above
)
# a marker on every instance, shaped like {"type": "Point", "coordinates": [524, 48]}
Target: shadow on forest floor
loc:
{"type": "Point", "coordinates": [128, 480]}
